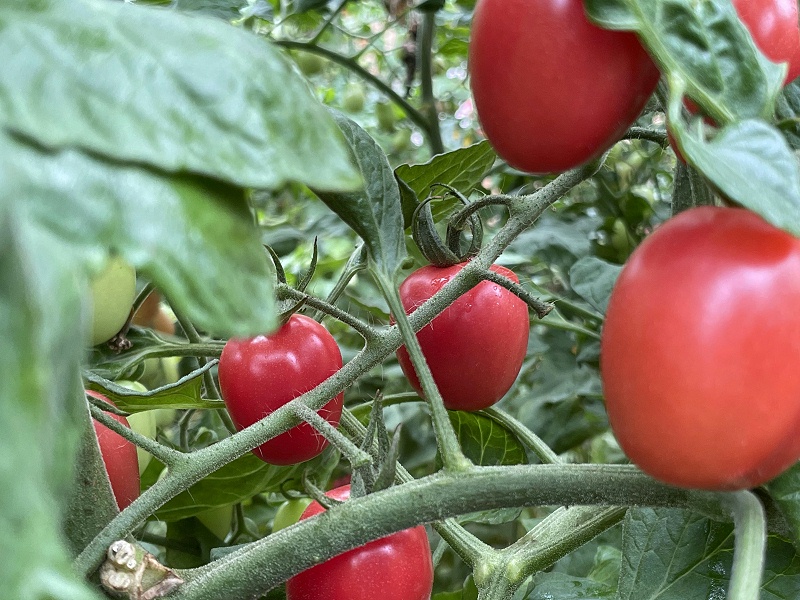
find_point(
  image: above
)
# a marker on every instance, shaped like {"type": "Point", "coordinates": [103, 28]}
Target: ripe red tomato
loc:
{"type": "Point", "coordinates": [476, 346]}
{"type": "Point", "coordinates": [119, 458]}
{"type": "Point", "coordinates": [551, 89]}
{"type": "Point", "coordinates": [700, 349]}
{"type": "Point", "coordinates": [775, 30]}
{"type": "Point", "coordinates": [259, 375]}
{"type": "Point", "coordinates": [397, 567]}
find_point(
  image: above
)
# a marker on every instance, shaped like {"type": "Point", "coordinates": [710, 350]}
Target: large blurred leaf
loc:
{"type": "Point", "coordinates": [462, 169]}
{"type": "Point", "coordinates": [751, 163]}
{"type": "Point", "coordinates": [177, 230]}
{"type": "Point", "coordinates": [373, 212]}
{"type": "Point", "coordinates": [158, 87]}
{"type": "Point", "coordinates": [235, 482]}
{"type": "Point", "coordinates": [672, 554]}
{"type": "Point", "coordinates": [705, 44]}
{"type": "Point", "coordinates": [41, 407]}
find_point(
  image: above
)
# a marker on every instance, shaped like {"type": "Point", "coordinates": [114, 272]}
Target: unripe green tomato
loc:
{"type": "Point", "coordinates": [401, 140]}
{"type": "Point", "coordinates": [619, 237]}
{"type": "Point", "coordinates": [289, 513]}
{"type": "Point", "coordinates": [308, 63]}
{"type": "Point", "coordinates": [113, 292]}
{"type": "Point", "coordinates": [160, 371]}
{"type": "Point", "coordinates": [353, 98]}
{"type": "Point", "coordinates": [384, 111]}
{"type": "Point", "coordinates": [218, 520]}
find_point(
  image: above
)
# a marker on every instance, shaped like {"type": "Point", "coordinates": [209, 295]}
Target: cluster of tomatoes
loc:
{"type": "Point", "coordinates": [701, 339]}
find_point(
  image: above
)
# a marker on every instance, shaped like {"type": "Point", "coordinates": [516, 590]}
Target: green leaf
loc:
{"type": "Point", "coordinates": [161, 88]}
{"type": "Point", "coordinates": [788, 113]}
{"type": "Point", "coordinates": [184, 393]}
{"type": "Point", "coordinates": [785, 491]}
{"type": "Point", "coordinates": [751, 163]}
{"type": "Point", "coordinates": [41, 408]}
{"type": "Point", "coordinates": [705, 45]}
{"type": "Point", "coordinates": [235, 482]}
{"type": "Point", "coordinates": [487, 443]}
{"type": "Point", "coordinates": [462, 169]}
{"type": "Point", "coordinates": [673, 554]}
{"type": "Point", "coordinates": [373, 212]}
{"type": "Point", "coordinates": [176, 230]}
{"type": "Point", "coordinates": [593, 279]}
{"type": "Point", "coordinates": [547, 586]}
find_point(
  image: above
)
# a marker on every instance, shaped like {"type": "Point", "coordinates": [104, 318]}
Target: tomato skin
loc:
{"type": "Point", "coordinates": [119, 458]}
{"type": "Point", "coordinates": [700, 348]}
{"type": "Point", "coordinates": [476, 346]}
{"type": "Point", "coordinates": [775, 30]}
{"type": "Point", "coordinates": [259, 375]}
{"type": "Point", "coordinates": [551, 89]}
{"type": "Point", "coordinates": [397, 567]}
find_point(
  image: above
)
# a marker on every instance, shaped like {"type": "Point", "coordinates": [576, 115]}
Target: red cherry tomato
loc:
{"type": "Point", "coordinates": [551, 89]}
{"type": "Point", "coordinates": [119, 458]}
{"type": "Point", "coordinates": [775, 30]}
{"type": "Point", "coordinates": [700, 351]}
{"type": "Point", "coordinates": [397, 567]}
{"type": "Point", "coordinates": [476, 346]}
{"type": "Point", "coordinates": [259, 375]}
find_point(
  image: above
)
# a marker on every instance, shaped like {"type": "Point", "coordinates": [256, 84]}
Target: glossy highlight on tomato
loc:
{"type": "Point", "coordinates": [700, 351]}
{"type": "Point", "coordinates": [119, 458]}
{"type": "Point", "coordinates": [259, 375]}
{"type": "Point", "coordinates": [396, 567]}
{"type": "Point", "coordinates": [476, 346]}
{"type": "Point", "coordinates": [775, 30]}
{"type": "Point", "coordinates": [552, 90]}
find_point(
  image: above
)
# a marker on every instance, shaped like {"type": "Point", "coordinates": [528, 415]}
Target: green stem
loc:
{"type": "Point", "coordinates": [279, 556]}
{"type": "Point", "coordinates": [524, 435]}
{"type": "Point", "coordinates": [367, 331]}
{"type": "Point", "coordinates": [424, 54]}
{"type": "Point", "coordinates": [355, 455]}
{"type": "Point", "coordinates": [750, 526]}
{"type": "Point", "coordinates": [449, 449]}
{"type": "Point", "coordinates": [540, 308]}
{"type": "Point", "coordinates": [166, 455]}
{"type": "Point", "coordinates": [419, 119]}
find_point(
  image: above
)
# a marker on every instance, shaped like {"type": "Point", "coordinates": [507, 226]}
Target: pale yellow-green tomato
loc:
{"type": "Point", "coordinates": [143, 423]}
{"type": "Point", "coordinates": [113, 292]}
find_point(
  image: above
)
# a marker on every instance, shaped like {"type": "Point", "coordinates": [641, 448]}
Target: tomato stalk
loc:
{"type": "Point", "coordinates": [750, 527]}
{"type": "Point", "coordinates": [164, 454]}
{"type": "Point", "coordinates": [435, 497]}
{"type": "Point", "coordinates": [355, 455]}
{"type": "Point", "coordinates": [453, 458]}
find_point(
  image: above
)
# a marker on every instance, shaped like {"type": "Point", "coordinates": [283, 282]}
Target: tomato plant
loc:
{"type": "Point", "coordinates": [700, 351]}
{"type": "Point", "coordinates": [567, 90]}
{"type": "Point", "coordinates": [476, 346]}
{"type": "Point", "coordinates": [773, 25]}
{"type": "Point", "coordinates": [396, 567]}
{"type": "Point", "coordinates": [113, 292]}
{"type": "Point", "coordinates": [259, 375]}
{"type": "Point", "coordinates": [119, 458]}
